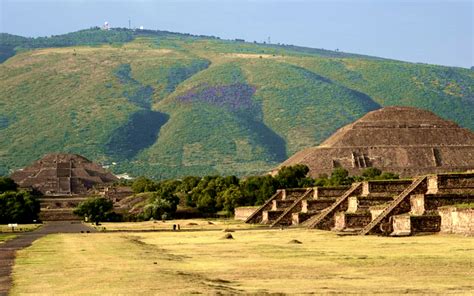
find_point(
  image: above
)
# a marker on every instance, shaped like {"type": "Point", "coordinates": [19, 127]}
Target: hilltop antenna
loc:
{"type": "Point", "coordinates": [269, 40]}
{"type": "Point", "coordinates": [129, 23]}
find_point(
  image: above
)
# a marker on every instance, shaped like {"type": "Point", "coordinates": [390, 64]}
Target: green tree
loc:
{"type": "Point", "coordinates": [158, 207]}
{"type": "Point", "coordinates": [231, 198]}
{"type": "Point", "coordinates": [292, 176]}
{"type": "Point", "coordinates": [18, 207]}
{"type": "Point", "coordinates": [96, 209]}
{"type": "Point", "coordinates": [143, 184]}
{"type": "Point", "coordinates": [7, 184]}
{"type": "Point", "coordinates": [257, 189]}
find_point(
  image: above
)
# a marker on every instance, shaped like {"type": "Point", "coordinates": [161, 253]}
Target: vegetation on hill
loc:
{"type": "Point", "coordinates": [169, 105]}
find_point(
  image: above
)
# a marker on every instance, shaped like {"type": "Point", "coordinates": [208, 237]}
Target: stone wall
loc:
{"type": "Point", "coordinates": [242, 213]}
{"type": "Point", "coordinates": [388, 187]}
{"type": "Point", "coordinates": [428, 223]}
{"type": "Point", "coordinates": [451, 183]}
{"type": "Point", "coordinates": [456, 220]}
{"type": "Point", "coordinates": [325, 192]}
{"type": "Point", "coordinates": [406, 224]}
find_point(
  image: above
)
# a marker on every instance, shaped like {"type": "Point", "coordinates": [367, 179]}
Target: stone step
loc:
{"type": "Point", "coordinates": [357, 220]}
{"type": "Point", "coordinates": [281, 204]}
{"type": "Point", "coordinates": [300, 217]}
{"type": "Point", "coordinates": [316, 204]}
{"type": "Point", "coordinates": [269, 216]}
{"type": "Point", "coordinates": [364, 203]}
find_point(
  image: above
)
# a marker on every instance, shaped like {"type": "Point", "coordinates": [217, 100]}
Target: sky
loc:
{"type": "Point", "coordinates": [424, 31]}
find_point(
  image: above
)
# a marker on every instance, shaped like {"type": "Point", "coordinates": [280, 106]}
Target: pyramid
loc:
{"type": "Point", "coordinates": [62, 174]}
{"type": "Point", "coordinates": [404, 140]}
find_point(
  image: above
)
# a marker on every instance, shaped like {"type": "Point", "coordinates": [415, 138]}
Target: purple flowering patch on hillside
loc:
{"type": "Point", "coordinates": [235, 97]}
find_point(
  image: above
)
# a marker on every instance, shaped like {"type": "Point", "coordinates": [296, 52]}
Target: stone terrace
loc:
{"type": "Point", "coordinates": [425, 204]}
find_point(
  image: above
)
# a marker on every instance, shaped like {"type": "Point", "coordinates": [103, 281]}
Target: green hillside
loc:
{"type": "Point", "coordinates": [164, 104]}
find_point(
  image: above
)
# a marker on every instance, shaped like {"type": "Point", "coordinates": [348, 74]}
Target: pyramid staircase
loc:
{"type": "Point", "coordinates": [401, 204]}
{"type": "Point", "coordinates": [389, 207]}
{"type": "Point", "coordinates": [377, 193]}
{"type": "Point", "coordinates": [325, 219]}
{"type": "Point", "coordinates": [285, 219]}
{"type": "Point", "coordinates": [257, 216]}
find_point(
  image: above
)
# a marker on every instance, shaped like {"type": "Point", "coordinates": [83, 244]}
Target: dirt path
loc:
{"type": "Point", "coordinates": [8, 249]}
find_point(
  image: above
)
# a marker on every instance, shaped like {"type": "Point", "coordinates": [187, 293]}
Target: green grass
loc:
{"type": "Point", "coordinates": [76, 99]}
{"type": "Point", "coordinates": [170, 263]}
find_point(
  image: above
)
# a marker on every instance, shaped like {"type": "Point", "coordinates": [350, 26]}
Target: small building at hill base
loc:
{"type": "Point", "coordinates": [63, 174]}
{"type": "Point", "coordinates": [404, 140]}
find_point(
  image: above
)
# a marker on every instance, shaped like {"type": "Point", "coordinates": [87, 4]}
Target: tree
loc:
{"type": "Point", "coordinates": [292, 176]}
{"type": "Point", "coordinates": [158, 207]}
{"type": "Point", "coordinates": [231, 198]}
{"type": "Point", "coordinates": [95, 209]}
{"type": "Point", "coordinates": [257, 189]}
{"type": "Point", "coordinates": [18, 207]}
{"type": "Point", "coordinates": [142, 184]}
{"type": "Point", "coordinates": [7, 184]}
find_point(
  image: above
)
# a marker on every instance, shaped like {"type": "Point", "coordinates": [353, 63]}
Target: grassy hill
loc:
{"type": "Point", "coordinates": [165, 104]}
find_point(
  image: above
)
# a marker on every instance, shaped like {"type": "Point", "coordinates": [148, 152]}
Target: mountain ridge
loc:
{"type": "Point", "coordinates": [166, 105]}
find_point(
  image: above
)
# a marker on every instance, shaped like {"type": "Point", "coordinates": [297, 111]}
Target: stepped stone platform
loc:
{"type": "Point", "coordinates": [426, 204]}
{"type": "Point", "coordinates": [65, 180]}
{"type": "Point", "coordinates": [404, 140]}
{"type": "Point", "coordinates": [63, 174]}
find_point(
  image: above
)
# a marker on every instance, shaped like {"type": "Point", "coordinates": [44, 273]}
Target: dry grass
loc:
{"type": "Point", "coordinates": [21, 228]}
{"type": "Point", "coordinates": [255, 261]}
{"type": "Point", "coordinates": [185, 224]}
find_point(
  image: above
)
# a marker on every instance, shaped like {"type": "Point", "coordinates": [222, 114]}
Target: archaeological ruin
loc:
{"type": "Point", "coordinates": [403, 140]}
{"type": "Point", "coordinates": [65, 180]}
{"type": "Point", "coordinates": [425, 204]}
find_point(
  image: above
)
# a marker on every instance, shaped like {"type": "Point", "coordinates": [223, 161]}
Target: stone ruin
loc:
{"type": "Point", "coordinates": [425, 204]}
{"type": "Point", "coordinates": [65, 180]}
{"type": "Point", "coordinates": [404, 140]}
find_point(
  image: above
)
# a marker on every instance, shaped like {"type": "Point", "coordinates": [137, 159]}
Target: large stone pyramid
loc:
{"type": "Point", "coordinates": [404, 140]}
{"type": "Point", "coordinates": [62, 174]}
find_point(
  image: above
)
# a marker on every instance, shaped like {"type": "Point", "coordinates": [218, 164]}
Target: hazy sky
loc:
{"type": "Point", "coordinates": [435, 32]}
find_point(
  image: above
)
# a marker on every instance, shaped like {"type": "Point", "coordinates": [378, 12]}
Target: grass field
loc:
{"type": "Point", "coordinates": [187, 224]}
{"type": "Point", "coordinates": [255, 261]}
{"type": "Point", "coordinates": [21, 228]}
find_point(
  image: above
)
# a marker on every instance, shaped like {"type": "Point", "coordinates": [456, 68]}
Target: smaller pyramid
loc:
{"type": "Point", "coordinates": [63, 174]}
{"type": "Point", "coordinates": [404, 140]}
